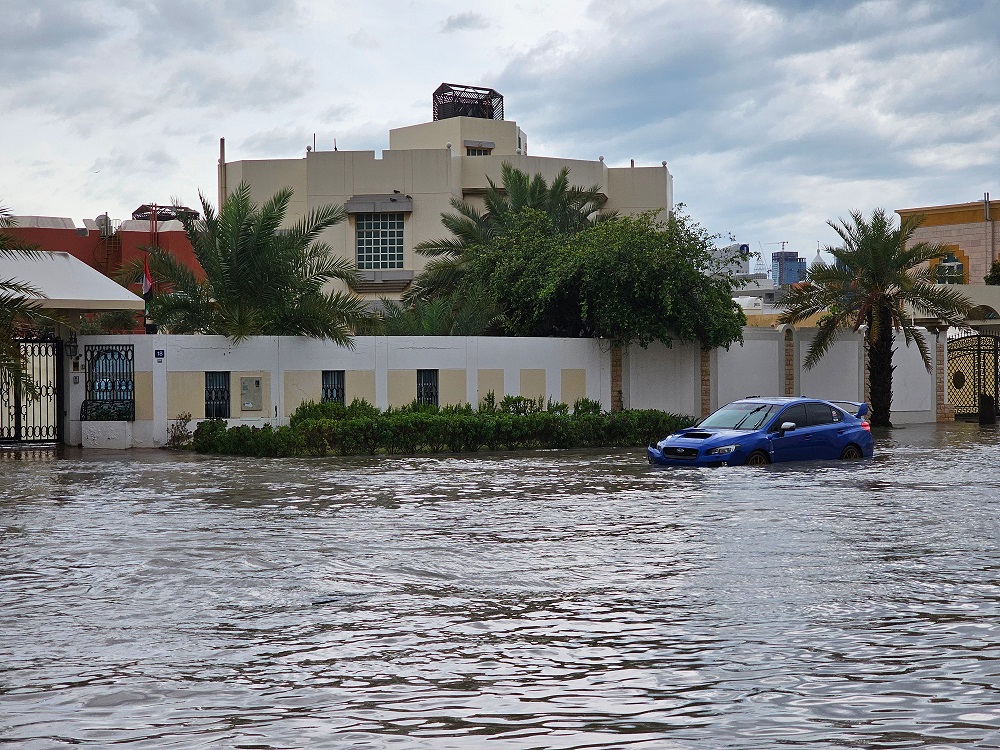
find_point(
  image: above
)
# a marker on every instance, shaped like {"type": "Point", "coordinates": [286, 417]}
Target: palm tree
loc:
{"type": "Point", "coordinates": [260, 279]}
{"type": "Point", "coordinates": [15, 309]}
{"type": "Point", "coordinates": [571, 208]}
{"type": "Point", "coordinates": [877, 275]}
{"type": "Point", "coordinates": [441, 316]}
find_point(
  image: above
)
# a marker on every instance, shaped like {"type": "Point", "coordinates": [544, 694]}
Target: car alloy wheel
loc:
{"type": "Point", "coordinates": [851, 453]}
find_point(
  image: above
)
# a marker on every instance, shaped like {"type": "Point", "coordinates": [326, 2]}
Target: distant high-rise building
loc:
{"type": "Point", "coordinates": [787, 268]}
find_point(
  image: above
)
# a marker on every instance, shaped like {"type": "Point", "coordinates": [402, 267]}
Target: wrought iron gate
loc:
{"type": "Point", "coordinates": [34, 419]}
{"type": "Point", "coordinates": [973, 371]}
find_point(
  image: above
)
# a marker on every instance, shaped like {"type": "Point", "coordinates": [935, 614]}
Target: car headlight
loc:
{"type": "Point", "coordinates": [722, 449]}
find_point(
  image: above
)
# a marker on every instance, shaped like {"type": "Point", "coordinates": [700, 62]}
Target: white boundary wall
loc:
{"type": "Point", "coordinates": [658, 377]}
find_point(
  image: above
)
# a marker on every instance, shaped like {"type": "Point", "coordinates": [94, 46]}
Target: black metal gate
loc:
{"type": "Point", "coordinates": [973, 372]}
{"type": "Point", "coordinates": [34, 418]}
{"type": "Point", "coordinates": [110, 383]}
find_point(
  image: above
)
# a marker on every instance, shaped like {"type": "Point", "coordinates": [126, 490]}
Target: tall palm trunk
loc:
{"type": "Point", "coordinates": [881, 368]}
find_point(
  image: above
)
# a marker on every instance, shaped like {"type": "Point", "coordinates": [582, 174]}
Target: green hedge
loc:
{"type": "Point", "coordinates": [515, 423]}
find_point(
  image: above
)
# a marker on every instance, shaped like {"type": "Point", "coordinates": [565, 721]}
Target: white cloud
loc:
{"type": "Point", "coordinates": [774, 116]}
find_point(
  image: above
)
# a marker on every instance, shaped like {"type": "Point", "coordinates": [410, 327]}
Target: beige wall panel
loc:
{"type": "Point", "coordinates": [402, 387]}
{"type": "Point", "coordinates": [475, 170]}
{"type": "Point", "coordinates": [533, 383]}
{"type": "Point", "coordinates": [573, 385]}
{"type": "Point", "coordinates": [144, 396]}
{"type": "Point", "coordinates": [490, 380]}
{"type": "Point", "coordinates": [268, 176]}
{"type": "Point", "coordinates": [451, 385]}
{"type": "Point", "coordinates": [236, 410]}
{"type": "Point", "coordinates": [301, 386]}
{"type": "Point", "coordinates": [186, 393]}
{"type": "Point", "coordinates": [360, 384]}
{"type": "Point", "coordinates": [431, 169]}
{"type": "Point", "coordinates": [633, 190]}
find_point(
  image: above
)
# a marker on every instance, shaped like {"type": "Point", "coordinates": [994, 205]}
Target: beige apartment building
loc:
{"type": "Point", "coordinates": [395, 201]}
{"type": "Point", "coordinates": [967, 230]}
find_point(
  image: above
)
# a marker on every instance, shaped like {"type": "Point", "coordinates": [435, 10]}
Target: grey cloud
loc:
{"type": "Point", "coordinates": [772, 108]}
{"type": "Point", "coordinates": [291, 142]}
{"type": "Point", "coordinates": [203, 25]}
{"type": "Point", "coordinates": [50, 35]}
{"type": "Point", "coordinates": [271, 144]}
{"type": "Point", "coordinates": [464, 22]}
{"type": "Point", "coordinates": [271, 84]}
{"type": "Point", "coordinates": [149, 162]}
{"type": "Point", "coordinates": [337, 112]}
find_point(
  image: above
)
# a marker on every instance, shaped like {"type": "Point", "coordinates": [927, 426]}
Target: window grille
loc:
{"type": "Point", "coordinates": [427, 387]}
{"type": "Point", "coordinates": [379, 240]}
{"type": "Point", "coordinates": [477, 152]}
{"type": "Point", "coordinates": [217, 395]}
{"type": "Point", "coordinates": [333, 386]}
{"type": "Point", "coordinates": [109, 383]}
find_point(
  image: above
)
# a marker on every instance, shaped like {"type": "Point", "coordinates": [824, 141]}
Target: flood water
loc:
{"type": "Point", "coordinates": [574, 599]}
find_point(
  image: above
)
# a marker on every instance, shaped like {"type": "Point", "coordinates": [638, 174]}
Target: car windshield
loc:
{"type": "Point", "coordinates": [740, 416]}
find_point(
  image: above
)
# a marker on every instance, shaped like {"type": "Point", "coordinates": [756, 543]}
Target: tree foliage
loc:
{"type": "Point", "coordinates": [16, 309]}
{"type": "Point", "coordinates": [570, 208]}
{"type": "Point", "coordinates": [625, 279]}
{"type": "Point", "coordinates": [260, 279]}
{"type": "Point", "coordinates": [877, 276]}
{"type": "Point", "coordinates": [473, 314]}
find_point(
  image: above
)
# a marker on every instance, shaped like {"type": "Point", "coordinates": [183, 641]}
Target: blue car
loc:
{"type": "Point", "coordinates": [757, 431]}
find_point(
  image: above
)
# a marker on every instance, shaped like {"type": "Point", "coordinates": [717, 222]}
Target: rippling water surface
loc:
{"type": "Point", "coordinates": [535, 600]}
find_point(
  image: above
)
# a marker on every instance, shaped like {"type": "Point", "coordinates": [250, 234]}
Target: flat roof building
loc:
{"type": "Point", "coordinates": [395, 202]}
{"type": "Point", "coordinates": [967, 230]}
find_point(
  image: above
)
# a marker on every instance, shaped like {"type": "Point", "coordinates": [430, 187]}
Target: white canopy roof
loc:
{"type": "Point", "coordinates": [68, 283]}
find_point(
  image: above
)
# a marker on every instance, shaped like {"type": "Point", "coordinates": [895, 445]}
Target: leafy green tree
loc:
{"type": "Point", "coordinates": [631, 278]}
{"type": "Point", "coordinates": [260, 279]}
{"type": "Point", "coordinates": [441, 316]}
{"type": "Point", "coordinates": [570, 208]}
{"type": "Point", "coordinates": [877, 276]}
{"type": "Point", "coordinates": [993, 277]}
{"type": "Point", "coordinates": [16, 309]}
{"type": "Point", "coordinates": [625, 279]}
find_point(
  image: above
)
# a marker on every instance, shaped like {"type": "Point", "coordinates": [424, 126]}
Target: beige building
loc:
{"type": "Point", "coordinates": [967, 230]}
{"type": "Point", "coordinates": [395, 201]}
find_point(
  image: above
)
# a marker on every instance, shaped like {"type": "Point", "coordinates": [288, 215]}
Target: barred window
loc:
{"type": "Point", "coordinates": [333, 386]}
{"type": "Point", "coordinates": [217, 395]}
{"type": "Point", "coordinates": [477, 151]}
{"type": "Point", "coordinates": [379, 240]}
{"type": "Point", "coordinates": [427, 387]}
{"type": "Point", "coordinates": [110, 383]}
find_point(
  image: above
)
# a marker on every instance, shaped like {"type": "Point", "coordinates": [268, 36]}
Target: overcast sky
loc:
{"type": "Point", "coordinates": [772, 115]}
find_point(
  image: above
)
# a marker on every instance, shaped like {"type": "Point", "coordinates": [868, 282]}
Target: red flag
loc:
{"type": "Point", "coordinates": [147, 281]}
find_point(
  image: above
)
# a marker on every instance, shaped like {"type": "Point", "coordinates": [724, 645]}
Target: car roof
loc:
{"type": "Point", "coordinates": [780, 400]}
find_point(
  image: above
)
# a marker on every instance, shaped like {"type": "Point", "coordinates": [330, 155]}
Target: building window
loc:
{"type": "Point", "coordinates": [427, 387]}
{"type": "Point", "coordinates": [380, 240]}
{"type": "Point", "coordinates": [477, 151]}
{"type": "Point", "coordinates": [950, 270]}
{"type": "Point", "coordinates": [110, 382]}
{"type": "Point", "coordinates": [333, 386]}
{"type": "Point", "coordinates": [217, 395]}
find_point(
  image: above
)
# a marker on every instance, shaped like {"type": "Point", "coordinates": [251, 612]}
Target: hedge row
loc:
{"type": "Point", "coordinates": [358, 429]}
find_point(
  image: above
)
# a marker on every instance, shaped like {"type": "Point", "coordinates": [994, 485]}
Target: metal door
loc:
{"type": "Point", "coordinates": [27, 418]}
{"type": "Point", "coordinates": [973, 363]}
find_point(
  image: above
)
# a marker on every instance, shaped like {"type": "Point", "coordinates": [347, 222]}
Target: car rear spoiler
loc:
{"type": "Point", "coordinates": [857, 408]}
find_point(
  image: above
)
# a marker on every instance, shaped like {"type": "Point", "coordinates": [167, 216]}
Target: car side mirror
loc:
{"type": "Point", "coordinates": [787, 427]}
